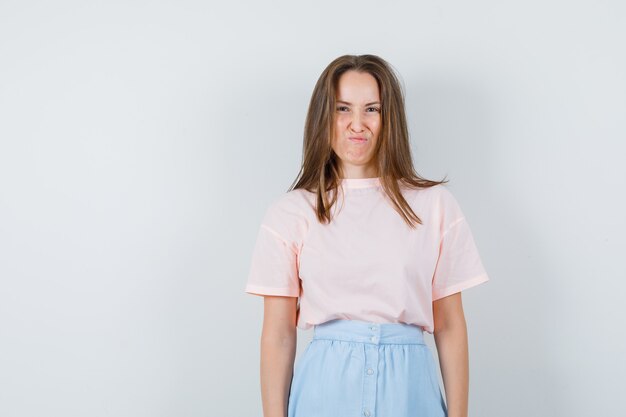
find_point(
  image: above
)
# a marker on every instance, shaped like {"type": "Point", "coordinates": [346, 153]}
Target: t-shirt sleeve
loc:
{"type": "Point", "coordinates": [459, 265]}
{"type": "Point", "coordinates": [274, 263]}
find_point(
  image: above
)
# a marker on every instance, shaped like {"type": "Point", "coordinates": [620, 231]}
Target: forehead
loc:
{"type": "Point", "coordinates": [357, 87]}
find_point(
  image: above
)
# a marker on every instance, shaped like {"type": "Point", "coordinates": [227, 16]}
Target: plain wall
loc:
{"type": "Point", "coordinates": [141, 141]}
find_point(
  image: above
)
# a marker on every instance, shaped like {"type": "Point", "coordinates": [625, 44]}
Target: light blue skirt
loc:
{"type": "Point", "coordinates": [355, 368]}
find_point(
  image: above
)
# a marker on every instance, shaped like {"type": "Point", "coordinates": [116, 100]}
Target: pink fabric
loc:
{"type": "Point", "coordinates": [367, 264]}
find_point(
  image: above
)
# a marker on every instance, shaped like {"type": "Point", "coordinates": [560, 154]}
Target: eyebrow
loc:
{"type": "Point", "coordinates": [367, 104]}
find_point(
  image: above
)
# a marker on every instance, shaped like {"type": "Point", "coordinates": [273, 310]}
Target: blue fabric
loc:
{"type": "Point", "coordinates": [353, 368]}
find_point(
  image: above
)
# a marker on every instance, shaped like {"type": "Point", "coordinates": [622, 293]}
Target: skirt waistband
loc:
{"type": "Point", "coordinates": [369, 332]}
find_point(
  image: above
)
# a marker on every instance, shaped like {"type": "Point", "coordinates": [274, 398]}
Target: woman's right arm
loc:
{"type": "Point", "coordinates": [278, 351]}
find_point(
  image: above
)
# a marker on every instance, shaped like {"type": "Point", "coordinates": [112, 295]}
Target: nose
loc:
{"type": "Point", "coordinates": [356, 125]}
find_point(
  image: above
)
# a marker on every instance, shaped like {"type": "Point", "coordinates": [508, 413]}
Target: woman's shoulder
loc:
{"type": "Point", "coordinates": [438, 200]}
{"type": "Point", "coordinates": [292, 201]}
{"type": "Point", "coordinates": [289, 211]}
{"type": "Point", "coordinates": [443, 193]}
{"type": "Point", "coordinates": [438, 193]}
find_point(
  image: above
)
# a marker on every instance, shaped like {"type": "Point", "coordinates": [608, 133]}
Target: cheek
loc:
{"type": "Point", "coordinates": [340, 128]}
{"type": "Point", "coordinates": [341, 122]}
{"type": "Point", "coordinates": [374, 126]}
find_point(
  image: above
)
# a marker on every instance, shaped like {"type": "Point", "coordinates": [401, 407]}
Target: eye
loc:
{"type": "Point", "coordinates": [342, 108]}
{"type": "Point", "coordinates": [373, 109]}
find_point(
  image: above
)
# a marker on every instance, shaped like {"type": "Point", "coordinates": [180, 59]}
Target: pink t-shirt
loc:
{"type": "Point", "coordinates": [367, 264]}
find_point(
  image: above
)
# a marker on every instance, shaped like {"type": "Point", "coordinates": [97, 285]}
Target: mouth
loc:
{"type": "Point", "coordinates": [357, 139]}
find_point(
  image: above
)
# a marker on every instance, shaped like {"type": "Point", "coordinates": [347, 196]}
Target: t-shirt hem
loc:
{"type": "Point", "coordinates": [460, 286]}
{"type": "Point", "coordinates": [260, 290]}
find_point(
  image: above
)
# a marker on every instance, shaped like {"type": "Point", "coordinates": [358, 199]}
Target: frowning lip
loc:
{"type": "Point", "coordinates": [357, 138]}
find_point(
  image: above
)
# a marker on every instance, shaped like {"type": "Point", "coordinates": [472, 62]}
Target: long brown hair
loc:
{"type": "Point", "coordinates": [320, 166]}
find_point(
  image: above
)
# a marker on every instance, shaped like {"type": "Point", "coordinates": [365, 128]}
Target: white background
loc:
{"type": "Point", "coordinates": [140, 142]}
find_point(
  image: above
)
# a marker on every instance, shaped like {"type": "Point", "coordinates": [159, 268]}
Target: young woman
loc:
{"type": "Point", "coordinates": [370, 255]}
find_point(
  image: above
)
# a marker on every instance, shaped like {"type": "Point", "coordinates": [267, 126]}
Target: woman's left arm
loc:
{"type": "Point", "coordinates": [450, 333]}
